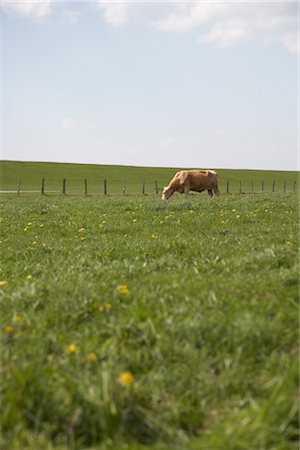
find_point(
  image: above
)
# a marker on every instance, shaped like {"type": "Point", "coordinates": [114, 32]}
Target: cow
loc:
{"type": "Point", "coordinates": [192, 180]}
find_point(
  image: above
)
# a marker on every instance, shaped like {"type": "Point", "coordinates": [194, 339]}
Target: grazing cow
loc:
{"type": "Point", "coordinates": [192, 180]}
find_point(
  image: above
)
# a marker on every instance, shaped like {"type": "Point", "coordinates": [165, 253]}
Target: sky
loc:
{"type": "Point", "coordinates": [207, 84]}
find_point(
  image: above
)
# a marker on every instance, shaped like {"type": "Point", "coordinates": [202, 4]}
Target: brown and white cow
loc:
{"type": "Point", "coordinates": [192, 180]}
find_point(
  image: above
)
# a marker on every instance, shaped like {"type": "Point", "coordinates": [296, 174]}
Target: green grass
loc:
{"type": "Point", "coordinates": [208, 328]}
{"type": "Point", "coordinates": [31, 174]}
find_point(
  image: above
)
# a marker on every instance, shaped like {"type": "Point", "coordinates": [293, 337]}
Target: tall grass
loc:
{"type": "Point", "coordinates": [136, 323]}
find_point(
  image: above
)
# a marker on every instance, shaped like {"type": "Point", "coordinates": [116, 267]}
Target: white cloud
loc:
{"type": "Point", "coordinates": [68, 124]}
{"type": "Point", "coordinates": [37, 9]}
{"type": "Point", "coordinates": [230, 23]}
{"type": "Point", "coordinates": [114, 13]}
{"type": "Point", "coordinates": [185, 17]}
{"type": "Point", "coordinates": [70, 16]}
{"type": "Point", "coordinates": [290, 42]}
{"type": "Point", "coordinates": [222, 24]}
{"type": "Point", "coordinates": [218, 23]}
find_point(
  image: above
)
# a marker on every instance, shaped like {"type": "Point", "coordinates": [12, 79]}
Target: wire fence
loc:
{"type": "Point", "coordinates": [144, 187]}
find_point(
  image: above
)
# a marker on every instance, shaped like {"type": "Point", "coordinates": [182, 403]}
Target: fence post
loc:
{"type": "Point", "coordinates": [105, 186]}
{"type": "Point", "coordinates": [273, 186]}
{"type": "Point", "coordinates": [19, 186]}
{"type": "Point", "coordinates": [262, 186]}
{"type": "Point", "coordinates": [294, 187]}
{"type": "Point", "coordinates": [227, 187]}
{"type": "Point", "coordinates": [85, 187]}
{"type": "Point", "coordinates": [240, 187]}
{"type": "Point", "coordinates": [64, 186]}
{"type": "Point", "coordinates": [143, 187]}
{"type": "Point", "coordinates": [123, 189]}
{"type": "Point", "coordinates": [43, 186]}
{"type": "Point", "coordinates": [284, 186]}
{"type": "Point", "coordinates": [156, 187]}
{"type": "Point", "coordinates": [252, 186]}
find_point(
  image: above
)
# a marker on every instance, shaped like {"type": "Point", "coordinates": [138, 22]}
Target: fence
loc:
{"type": "Point", "coordinates": [116, 187]}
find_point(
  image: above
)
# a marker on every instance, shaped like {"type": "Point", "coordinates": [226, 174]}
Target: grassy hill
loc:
{"type": "Point", "coordinates": [31, 174]}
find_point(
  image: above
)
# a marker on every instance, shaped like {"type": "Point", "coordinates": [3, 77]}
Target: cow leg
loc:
{"type": "Point", "coordinates": [216, 191]}
{"type": "Point", "coordinates": [210, 193]}
{"type": "Point", "coordinates": [186, 191]}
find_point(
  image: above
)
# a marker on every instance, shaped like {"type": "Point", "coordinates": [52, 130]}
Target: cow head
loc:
{"type": "Point", "coordinates": [167, 192]}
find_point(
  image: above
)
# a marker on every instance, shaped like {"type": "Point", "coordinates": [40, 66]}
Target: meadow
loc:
{"type": "Point", "coordinates": [132, 323]}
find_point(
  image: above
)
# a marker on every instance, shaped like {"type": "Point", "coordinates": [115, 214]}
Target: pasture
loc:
{"type": "Point", "coordinates": [132, 323]}
{"type": "Point", "coordinates": [31, 174]}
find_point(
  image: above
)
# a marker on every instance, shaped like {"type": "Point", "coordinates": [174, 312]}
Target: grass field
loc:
{"type": "Point", "coordinates": [31, 174]}
{"type": "Point", "coordinates": [133, 323]}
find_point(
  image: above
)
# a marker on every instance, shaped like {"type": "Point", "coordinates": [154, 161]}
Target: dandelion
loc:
{"type": "Point", "coordinates": [105, 307]}
{"type": "Point", "coordinates": [81, 230]}
{"type": "Point", "coordinates": [8, 329]}
{"type": "Point", "coordinates": [17, 318]}
{"type": "Point", "coordinates": [42, 225]}
{"type": "Point", "coordinates": [289, 243]}
{"type": "Point", "coordinates": [161, 222]}
{"type": "Point", "coordinates": [29, 277]}
{"type": "Point", "coordinates": [82, 238]}
{"type": "Point", "coordinates": [238, 216]}
{"type": "Point", "coordinates": [3, 282]}
{"type": "Point", "coordinates": [134, 220]}
{"type": "Point", "coordinates": [29, 223]}
{"type": "Point", "coordinates": [34, 243]}
{"type": "Point", "coordinates": [125, 235]}
{"type": "Point", "coordinates": [91, 357]}
{"type": "Point", "coordinates": [126, 378]}
{"type": "Point", "coordinates": [71, 348]}
{"type": "Point", "coordinates": [123, 289]}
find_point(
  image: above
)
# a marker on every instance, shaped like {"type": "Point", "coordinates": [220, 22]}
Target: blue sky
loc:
{"type": "Point", "coordinates": [182, 84]}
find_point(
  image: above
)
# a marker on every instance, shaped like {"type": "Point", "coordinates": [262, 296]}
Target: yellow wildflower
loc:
{"type": "Point", "coordinates": [82, 238]}
{"type": "Point", "coordinates": [238, 216]}
{"type": "Point", "coordinates": [126, 378]}
{"type": "Point", "coordinates": [105, 307]}
{"type": "Point", "coordinates": [81, 230]}
{"type": "Point", "coordinates": [8, 329]}
{"type": "Point", "coordinates": [29, 223]}
{"type": "Point", "coordinates": [91, 357]}
{"type": "Point", "coordinates": [3, 282]}
{"type": "Point", "coordinates": [17, 318]}
{"type": "Point", "coordinates": [29, 277]}
{"type": "Point", "coordinates": [42, 226]}
{"type": "Point", "coordinates": [123, 289]}
{"type": "Point", "coordinates": [134, 220]}
{"type": "Point", "coordinates": [71, 348]}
